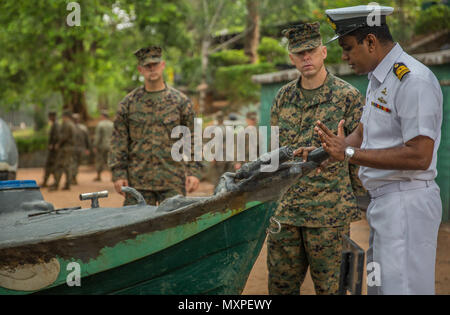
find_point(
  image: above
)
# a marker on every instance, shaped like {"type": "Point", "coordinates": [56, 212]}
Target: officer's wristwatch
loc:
{"type": "Point", "coordinates": [349, 152]}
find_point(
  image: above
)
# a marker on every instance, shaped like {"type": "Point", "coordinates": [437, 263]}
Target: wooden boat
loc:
{"type": "Point", "coordinates": [207, 247]}
{"type": "Point", "coordinates": [203, 245]}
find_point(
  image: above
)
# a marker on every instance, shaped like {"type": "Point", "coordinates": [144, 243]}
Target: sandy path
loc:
{"type": "Point", "coordinates": [257, 281]}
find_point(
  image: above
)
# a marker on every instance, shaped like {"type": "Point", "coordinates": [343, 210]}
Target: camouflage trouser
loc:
{"type": "Point", "coordinates": [290, 252]}
{"type": "Point", "coordinates": [101, 160]}
{"type": "Point", "coordinates": [50, 165]}
{"type": "Point", "coordinates": [64, 161]}
{"type": "Point", "coordinates": [151, 197]}
{"type": "Point", "coordinates": [77, 160]}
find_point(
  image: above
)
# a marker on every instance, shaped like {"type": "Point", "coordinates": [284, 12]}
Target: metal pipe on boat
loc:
{"type": "Point", "coordinates": [93, 196]}
{"type": "Point", "coordinates": [136, 194]}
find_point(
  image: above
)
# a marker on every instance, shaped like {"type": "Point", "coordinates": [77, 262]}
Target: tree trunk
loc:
{"type": "Point", "coordinates": [203, 85]}
{"type": "Point", "coordinates": [74, 98]}
{"type": "Point", "coordinates": [252, 37]}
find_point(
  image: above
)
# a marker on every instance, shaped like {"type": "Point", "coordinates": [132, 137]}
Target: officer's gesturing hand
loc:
{"type": "Point", "coordinates": [334, 144]}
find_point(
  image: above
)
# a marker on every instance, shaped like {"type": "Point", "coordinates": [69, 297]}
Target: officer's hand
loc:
{"type": "Point", "coordinates": [118, 184]}
{"type": "Point", "coordinates": [304, 151]}
{"type": "Point", "coordinates": [192, 183]}
{"type": "Point", "coordinates": [334, 144]}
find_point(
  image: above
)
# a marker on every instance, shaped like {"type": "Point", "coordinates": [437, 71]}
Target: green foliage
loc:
{"type": "Point", "coordinates": [31, 143]}
{"type": "Point", "coordinates": [270, 50]}
{"type": "Point", "coordinates": [435, 18]}
{"type": "Point", "coordinates": [190, 72]}
{"type": "Point", "coordinates": [229, 57]}
{"type": "Point", "coordinates": [235, 82]}
{"type": "Point", "coordinates": [41, 56]}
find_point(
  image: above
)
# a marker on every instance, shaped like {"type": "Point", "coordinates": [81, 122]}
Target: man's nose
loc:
{"type": "Point", "coordinates": [306, 55]}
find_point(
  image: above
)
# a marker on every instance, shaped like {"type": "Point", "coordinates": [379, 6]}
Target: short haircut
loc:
{"type": "Point", "coordinates": [382, 33]}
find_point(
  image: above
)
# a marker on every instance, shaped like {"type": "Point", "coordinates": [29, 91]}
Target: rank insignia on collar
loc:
{"type": "Point", "coordinates": [382, 100]}
{"type": "Point", "coordinates": [385, 109]}
{"type": "Point", "coordinates": [384, 92]}
{"type": "Point", "coordinates": [400, 70]}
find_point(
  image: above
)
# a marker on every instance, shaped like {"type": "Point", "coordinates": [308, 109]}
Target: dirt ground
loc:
{"type": "Point", "coordinates": [257, 281]}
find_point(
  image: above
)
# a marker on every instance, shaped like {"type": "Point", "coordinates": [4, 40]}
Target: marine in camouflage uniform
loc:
{"type": "Point", "coordinates": [50, 162]}
{"type": "Point", "coordinates": [64, 148]}
{"type": "Point", "coordinates": [316, 212]}
{"type": "Point", "coordinates": [82, 146]}
{"type": "Point", "coordinates": [141, 142]}
{"type": "Point", "coordinates": [102, 142]}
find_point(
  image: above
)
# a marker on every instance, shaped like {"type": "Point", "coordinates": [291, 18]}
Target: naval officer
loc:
{"type": "Point", "coordinates": [396, 145]}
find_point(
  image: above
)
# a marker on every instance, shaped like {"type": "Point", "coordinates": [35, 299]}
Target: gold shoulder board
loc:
{"type": "Point", "coordinates": [400, 70]}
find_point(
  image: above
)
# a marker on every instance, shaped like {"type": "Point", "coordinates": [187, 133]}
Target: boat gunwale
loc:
{"type": "Point", "coordinates": [88, 246]}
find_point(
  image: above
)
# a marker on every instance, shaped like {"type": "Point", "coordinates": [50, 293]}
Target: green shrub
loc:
{"type": "Point", "coordinates": [235, 82]}
{"type": "Point", "coordinates": [270, 50]}
{"type": "Point", "coordinates": [229, 57]}
{"type": "Point", "coordinates": [191, 72]}
{"type": "Point", "coordinates": [433, 19]}
{"type": "Point", "coordinates": [35, 142]}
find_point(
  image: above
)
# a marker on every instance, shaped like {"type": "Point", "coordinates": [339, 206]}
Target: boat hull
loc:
{"type": "Point", "coordinates": [216, 261]}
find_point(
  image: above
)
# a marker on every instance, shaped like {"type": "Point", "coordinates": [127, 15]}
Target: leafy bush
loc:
{"type": "Point", "coordinates": [191, 72]}
{"type": "Point", "coordinates": [229, 57]}
{"type": "Point", "coordinates": [34, 142]}
{"type": "Point", "coordinates": [270, 50]}
{"type": "Point", "coordinates": [235, 83]}
{"type": "Point", "coordinates": [433, 19]}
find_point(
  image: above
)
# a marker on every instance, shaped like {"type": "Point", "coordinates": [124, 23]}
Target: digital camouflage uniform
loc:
{"type": "Point", "coordinates": [50, 162]}
{"type": "Point", "coordinates": [82, 143]}
{"type": "Point", "coordinates": [316, 212]}
{"type": "Point", "coordinates": [141, 142]}
{"type": "Point", "coordinates": [65, 149]}
{"type": "Point", "coordinates": [102, 142]}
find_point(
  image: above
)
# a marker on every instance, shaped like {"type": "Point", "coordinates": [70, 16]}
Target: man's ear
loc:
{"type": "Point", "coordinates": [292, 59]}
{"type": "Point", "coordinates": [139, 68]}
{"type": "Point", "coordinates": [372, 42]}
{"type": "Point", "coordinates": [324, 52]}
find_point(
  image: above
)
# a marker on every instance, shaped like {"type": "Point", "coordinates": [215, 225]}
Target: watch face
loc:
{"type": "Point", "coordinates": [350, 151]}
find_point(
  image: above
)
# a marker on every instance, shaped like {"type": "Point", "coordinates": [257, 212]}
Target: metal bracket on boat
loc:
{"type": "Point", "coordinates": [94, 197]}
{"type": "Point", "coordinates": [273, 220]}
{"type": "Point", "coordinates": [136, 194]}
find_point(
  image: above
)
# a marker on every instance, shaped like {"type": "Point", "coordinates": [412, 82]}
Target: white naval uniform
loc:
{"type": "Point", "coordinates": [405, 209]}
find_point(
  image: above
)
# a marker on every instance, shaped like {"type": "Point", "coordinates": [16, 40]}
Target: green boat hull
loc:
{"type": "Point", "coordinates": [217, 260]}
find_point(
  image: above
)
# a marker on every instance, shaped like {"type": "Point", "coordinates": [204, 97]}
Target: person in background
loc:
{"type": "Point", "coordinates": [141, 142]}
{"type": "Point", "coordinates": [102, 142]}
{"type": "Point", "coordinates": [50, 162]}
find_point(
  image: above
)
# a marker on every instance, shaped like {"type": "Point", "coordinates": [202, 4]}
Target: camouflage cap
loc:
{"type": "Point", "coordinates": [148, 55]}
{"type": "Point", "coordinates": [303, 37]}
